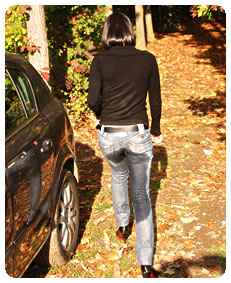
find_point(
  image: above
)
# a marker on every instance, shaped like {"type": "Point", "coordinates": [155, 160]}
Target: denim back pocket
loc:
{"type": "Point", "coordinates": [141, 143]}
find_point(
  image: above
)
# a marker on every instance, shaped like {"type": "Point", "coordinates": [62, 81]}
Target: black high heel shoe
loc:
{"type": "Point", "coordinates": [123, 232]}
{"type": "Point", "coordinates": [148, 271]}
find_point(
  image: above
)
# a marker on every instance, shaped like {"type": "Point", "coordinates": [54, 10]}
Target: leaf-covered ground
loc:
{"type": "Point", "coordinates": [187, 177]}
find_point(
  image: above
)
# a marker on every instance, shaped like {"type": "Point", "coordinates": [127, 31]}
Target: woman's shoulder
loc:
{"type": "Point", "coordinates": [142, 51]}
{"type": "Point", "coordinates": [145, 52]}
{"type": "Point", "coordinates": [150, 56]}
{"type": "Point", "coordinates": [124, 51]}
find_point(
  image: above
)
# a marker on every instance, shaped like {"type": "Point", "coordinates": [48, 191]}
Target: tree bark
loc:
{"type": "Point", "coordinates": [149, 25]}
{"type": "Point", "coordinates": [140, 35]}
{"type": "Point", "coordinates": [109, 10]}
{"type": "Point", "coordinates": [37, 35]}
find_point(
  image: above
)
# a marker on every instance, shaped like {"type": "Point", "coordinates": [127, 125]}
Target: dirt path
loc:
{"type": "Point", "coordinates": [188, 171]}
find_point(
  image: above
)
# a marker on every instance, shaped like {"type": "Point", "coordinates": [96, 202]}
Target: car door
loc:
{"type": "Point", "coordinates": [29, 161]}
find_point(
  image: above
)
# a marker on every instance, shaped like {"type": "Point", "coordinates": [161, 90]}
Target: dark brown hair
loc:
{"type": "Point", "coordinates": [118, 30]}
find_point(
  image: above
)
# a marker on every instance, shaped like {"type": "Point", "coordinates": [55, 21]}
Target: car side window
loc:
{"type": "Point", "coordinates": [24, 88]}
{"type": "Point", "coordinates": [14, 112]}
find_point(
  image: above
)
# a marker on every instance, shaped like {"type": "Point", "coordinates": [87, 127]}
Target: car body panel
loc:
{"type": "Point", "coordinates": [36, 152]}
{"type": "Point", "coordinates": [29, 178]}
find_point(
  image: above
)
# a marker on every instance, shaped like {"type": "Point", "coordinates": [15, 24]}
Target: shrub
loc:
{"type": "Point", "coordinates": [206, 11]}
{"type": "Point", "coordinates": [74, 36]}
{"type": "Point", "coordinates": [15, 30]}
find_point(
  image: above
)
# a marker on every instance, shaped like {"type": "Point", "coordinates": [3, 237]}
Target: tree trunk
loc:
{"type": "Point", "coordinates": [149, 26]}
{"type": "Point", "coordinates": [37, 35]}
{"type": "Point", "coordinates": [140, 35]}
{"type": "Point", "coordinates": [109, 10]}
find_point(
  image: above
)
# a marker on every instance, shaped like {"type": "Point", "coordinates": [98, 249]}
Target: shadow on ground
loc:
{"type": "Point", "coordinates": [90, 167]}
{"type": "Point", "coordinates": [90, 173]}
{"type": "Point", "coordinates": [158, 172]}
{"type": "Point", "coordinates": [213, 265]}
{"type": "Point", "coordinates": [215, 105]}
{"type": "Point", "coordinates": [210, 38]}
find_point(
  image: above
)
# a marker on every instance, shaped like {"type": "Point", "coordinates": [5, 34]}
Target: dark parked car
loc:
{"type": "Point", "coordinates": [41, 191]}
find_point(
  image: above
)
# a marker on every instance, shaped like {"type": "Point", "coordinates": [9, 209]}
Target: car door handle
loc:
{"type": "Point", "coordinates": [46, 146]}
{"type": "Point", "coordinates": [19, 157]}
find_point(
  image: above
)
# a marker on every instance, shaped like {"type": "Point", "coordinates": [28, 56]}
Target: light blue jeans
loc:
{"type": "Point", "coordinates": [130, 155]}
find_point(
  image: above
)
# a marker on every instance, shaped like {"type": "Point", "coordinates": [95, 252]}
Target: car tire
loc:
{"type": "Point", "coordinates": [64, 235]}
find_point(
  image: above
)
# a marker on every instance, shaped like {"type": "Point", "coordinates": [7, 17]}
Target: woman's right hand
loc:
{"type": "Point", "coordinates": [156, 139]}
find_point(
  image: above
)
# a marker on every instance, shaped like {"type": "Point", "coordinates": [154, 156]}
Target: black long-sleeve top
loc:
{"type": "Point", "coordinates": [119, 81]}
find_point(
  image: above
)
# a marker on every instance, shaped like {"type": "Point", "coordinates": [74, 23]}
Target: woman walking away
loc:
{"type": "Point", "coordinates": [120, 78]}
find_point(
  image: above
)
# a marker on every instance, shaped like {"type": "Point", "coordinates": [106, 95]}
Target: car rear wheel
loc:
{"type": "Point", "coordinates": [64, 234]}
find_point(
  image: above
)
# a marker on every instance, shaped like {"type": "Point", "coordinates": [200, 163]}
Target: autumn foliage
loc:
{"type": "Point", "coordinates": [188, 173]}
{"type": "Point", "coordinates": [206, 11]}
{"type": "Point", "coordinates": [74, 36]}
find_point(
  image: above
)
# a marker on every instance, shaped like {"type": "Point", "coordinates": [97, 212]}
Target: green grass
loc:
{"type": "Point", "coordinates": [220, 254]}
{"type": "Point", "coordinates": [124, 263]}
{"type": "Point", "coordinates": [100, 205]}
{"type": "Point", "coordinates": [86, 255]}
{"type": "Point", "coordinates": [56, 269]}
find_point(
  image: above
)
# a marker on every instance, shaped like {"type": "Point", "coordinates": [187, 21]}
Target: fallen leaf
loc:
{"type": "Point", "coordinates": [186, 261]}
{"type": "Point", "coordinates": [188, 219]}
{"type": "Point", "coordinates": [169, 271]}
{"type": "Point", "coordinates": [116, 270]}
{"type": "Point", "coordinates": [171, 215]}
{"type": "Point", "coordinates": [112, 256]}
{"type": "Point", "coordinates": [85, 240]}
{"type": "Point", "coordinates": [211, 223]}
{"type": "Point", "coordinates": [189, 244]}
{"type": "Point", "coordinates": [198, 227]}
{"type": "Point", "coordinates": [207, 152]}
{"type": "Point", "coordinates": [99, 257]}
{"type": "Point", "coordinates": [120, 252]}
{"type": "Point", "coordinates": [90, 170]}
{"type": "Point", "coordinates": [106, 238]}
{"type": "Point", "coordinates": [97, 273]}
{"type": "Point", "coordinates": [91, 263]}
{"type": "Point", "coordinates": [218, 268]}
{"type": "Point", "coordinates": [162, 228]}
{"type": "Point", "coordinates": [127, 249]}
